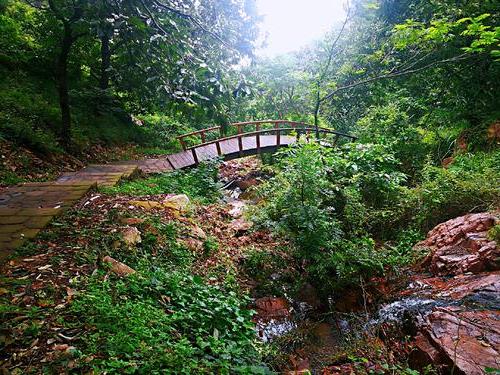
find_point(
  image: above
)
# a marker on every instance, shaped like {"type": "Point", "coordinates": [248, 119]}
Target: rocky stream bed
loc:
{"type": "Point", "coordinates": [445, 312]}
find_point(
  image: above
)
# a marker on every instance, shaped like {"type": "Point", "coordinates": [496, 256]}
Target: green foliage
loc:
{"type": "Point", "coordinates": [162, 130]}
{"type": "Point", "coordinates": [480, 36]}
{"type": "Point", "coordinates": [162, 321]}
{"type": "Point", "coordinates": [199, 183]}
{"type": "Point", "coordinates": [333, 203]}
{"type": "Point", "coordinates": [320, 198]}
{"type": "Point", "coordinates": [470, 184]}
{"type": "Point", "coordinates": [390, 125]}
{"type": "Point", "coordinates": [494, 233]}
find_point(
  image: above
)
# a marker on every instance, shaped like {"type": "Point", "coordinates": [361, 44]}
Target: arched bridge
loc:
{"type": "Point", "coordinates": [246, 138]}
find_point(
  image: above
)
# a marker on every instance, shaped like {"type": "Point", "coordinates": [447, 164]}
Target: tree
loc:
{"type": "Point", "coordinates": [70, 16]}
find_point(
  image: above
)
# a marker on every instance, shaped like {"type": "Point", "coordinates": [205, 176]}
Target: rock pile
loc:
{"type": "Point", "coordinates": [463, 335]}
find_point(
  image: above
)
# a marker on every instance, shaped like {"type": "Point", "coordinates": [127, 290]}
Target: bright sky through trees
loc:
{"type": "Point", "coordinates": [290, 24]}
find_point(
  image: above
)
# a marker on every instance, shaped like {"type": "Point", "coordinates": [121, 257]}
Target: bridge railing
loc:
{"type": "Point", "coordinates": [237, 130]}
{"type": "Point", "coordinates": [298, 129]}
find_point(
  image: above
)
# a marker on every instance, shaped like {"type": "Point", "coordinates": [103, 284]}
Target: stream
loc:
{"type": "Point", "coordinates": [300, 325]}
{"type": "Point", "coordinates": [323, 336]}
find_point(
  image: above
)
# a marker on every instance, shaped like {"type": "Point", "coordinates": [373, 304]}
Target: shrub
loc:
{"type": "Point", "coordinates": [333, 203]}
{"type": "Point", "coordinates": [470, 184]}
{"type": "Point", "coordinates": [321, 198]}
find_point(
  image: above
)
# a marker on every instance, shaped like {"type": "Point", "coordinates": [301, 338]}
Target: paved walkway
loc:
{"type": "Point", "coordinates": [27, 208]}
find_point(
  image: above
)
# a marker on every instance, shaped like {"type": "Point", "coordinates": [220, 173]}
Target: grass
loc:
{"type": "Point", "coordinates": [199, 184]}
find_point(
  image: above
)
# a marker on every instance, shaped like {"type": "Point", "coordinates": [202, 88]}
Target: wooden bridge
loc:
{"type": "Point", "coordinates": [246, 138]}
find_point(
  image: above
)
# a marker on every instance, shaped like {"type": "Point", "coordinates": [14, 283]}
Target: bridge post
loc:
{"type": "Point", "coordinates": [257, 137]}
{"type": "Point", "coordinates": [240, 141]}
{"type": "Point", "coordinates": [240, 145]}
{"type": "Point", "coordinates": [195, 157]}
{"type": "Point", "coordinates": [278, 134]}
{"type": "Point", "coordinates": [203, 137]}
{"type": "Point", "coordinates": [217, 145]}
{"type": "Point", "coordinates": [183, 143]}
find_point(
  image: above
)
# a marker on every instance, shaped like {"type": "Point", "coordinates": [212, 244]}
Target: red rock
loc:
{"type": "Point", "coordinates": [493, 131]}
{"type": "Point", "coordinates": [132, 220]}
{"type": "Point", "coordinates": [425, 354]}
{"type": "Point", "coordinates": [468, 341]}
{"type": "Point", "coordinates": [246, 184]}
{"type": "Point", "coordinates": [193, 244]}
{"type": "Point", "coordinates": [240, 226]}
{"type": "Point", "coordinates": [456, 288]}
{"type": "Point", "coordinates": [300, 366]}
{"type": "Point", "coordinates": [131, 236]}
{"type": "Point", "coordinates": [272, 307]}
{"type": "Point", "coordinates": [461, 245]}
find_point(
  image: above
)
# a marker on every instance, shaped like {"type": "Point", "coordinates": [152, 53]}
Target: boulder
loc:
{"type": "Point", "coordinates": [460, 328]}
{"type": "Point", "coordinates": [236, 209]}
{"type": "Point", "coordinates": [461, 245]}
{"type": "Point", "coordinates": [178, 202]}
{"type": "Point", "coordinates": [240, 226]}
{"type": "Point", "coordinates": [272, 308]}
{"type": "Point", "coordinates": [468, 341]}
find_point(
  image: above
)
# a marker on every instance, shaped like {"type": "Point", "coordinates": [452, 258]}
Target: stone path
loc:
{"type": "Point", "coordinates": [27, 208]}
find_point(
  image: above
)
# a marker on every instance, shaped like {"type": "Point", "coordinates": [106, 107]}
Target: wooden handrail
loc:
{"type": "Point", "coordinates": [240, 125]}
{"type": "Point", "coordinates": [272, 130]}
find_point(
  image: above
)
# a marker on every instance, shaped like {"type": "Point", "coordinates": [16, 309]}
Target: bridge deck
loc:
{"type": "Point", "coordinates": [229, 149]}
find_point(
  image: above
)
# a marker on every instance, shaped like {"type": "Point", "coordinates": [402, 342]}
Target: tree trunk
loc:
{"type": "Point", "coordinates": [105, 61]}
{"type": "Point", "coordinates": [316, 113]}
{"type": "Point", "coordinates": [62, 79]}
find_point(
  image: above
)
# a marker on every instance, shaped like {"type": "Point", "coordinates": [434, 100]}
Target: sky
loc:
{"type": "Point", "coordinates": [291, 24]}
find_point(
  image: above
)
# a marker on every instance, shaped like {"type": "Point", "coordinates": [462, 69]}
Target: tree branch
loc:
{"type": "Point", "coordinates": [334, 44]}
{"type": "Point", "coordinates": [400, 73]}
{"type": "Point", "coordinates": [194, 21]}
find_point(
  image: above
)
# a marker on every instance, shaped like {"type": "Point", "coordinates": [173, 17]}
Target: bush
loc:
{"type": "Point", "coordinates": [390, 125]}
{"type": "Point", "coordinates": [320, 198]}
{"type": "Point", "coordinates": [162, 131]}
{"type": "Point", "coordinates": [470, 184]}
{"type": "Point", "coordinates": [334, 203]}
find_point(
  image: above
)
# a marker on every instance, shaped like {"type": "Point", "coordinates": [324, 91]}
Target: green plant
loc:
{"type": "Point", "coordinates": [210, 246]}
{"type": "Point", "coordinates": [199, 184]}
{"type": "Point", "coordinates": [494, 233]}
{"type": "Point", "coordinates": [321, 198]}
{"type": "Point", "coordinates": [161, 320]}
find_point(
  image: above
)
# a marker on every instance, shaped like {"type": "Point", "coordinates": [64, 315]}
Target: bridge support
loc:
{"type": "Point", "coordinates": [195, 156]}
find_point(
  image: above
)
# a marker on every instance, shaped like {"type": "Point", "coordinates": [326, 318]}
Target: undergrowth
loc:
{"type": "Point", "coordinates": [164, 318]}
{"type": "Point", "coordinates": [199, 184]}
{"type": "Point", "coordinates": [337, 205]}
